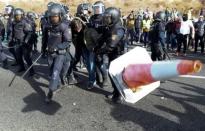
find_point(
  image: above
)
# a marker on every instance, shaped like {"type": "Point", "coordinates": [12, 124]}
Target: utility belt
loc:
{"type": "Point", "coordinates": [56, 51]}
{"type": "Point", "coordinates": [17, 41]}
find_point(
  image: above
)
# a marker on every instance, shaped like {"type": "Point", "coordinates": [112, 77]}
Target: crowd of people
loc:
{"type": "Point", "coordinates": [94, 36]}
{"type": "Point", "coordinates": [181, 28]}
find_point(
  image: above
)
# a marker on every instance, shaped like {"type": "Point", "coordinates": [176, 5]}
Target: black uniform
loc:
{"type": "Point", "coordinates": [157, 37]}
{"type": "Point", "coordinates": [58, 39]}
{"type": "Point", "coordinates": [44, 24]}
{"type": "Point", "coordinates": [114, 37]}
{"type": "Point", "coordinates": [20, 36]}
{"type": "Point", "coordinates": [34, 36]}
{"type": "Point", "coordinates": [199, 36]}
{"type": "Point", "coordinates": [101, 60]}
{"type": "Point", "coordinates": [10, 43]}
{"type": "Point", "coordinates": [3, 56]}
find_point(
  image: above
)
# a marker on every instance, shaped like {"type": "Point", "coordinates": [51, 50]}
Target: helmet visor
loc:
{"type": "Point", "coordinates": [98, 9]}
{"type": "Point", "coordinates": [8, 10]}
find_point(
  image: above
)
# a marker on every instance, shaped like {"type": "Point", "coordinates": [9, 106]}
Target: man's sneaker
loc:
{"type": "Point", "coordinates": [90, 86]}
{"type": "Point", "coordinates": [72, 80]}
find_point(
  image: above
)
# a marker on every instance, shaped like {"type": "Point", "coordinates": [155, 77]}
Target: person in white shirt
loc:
{"type": "Point", "coordinates": [186, 29]}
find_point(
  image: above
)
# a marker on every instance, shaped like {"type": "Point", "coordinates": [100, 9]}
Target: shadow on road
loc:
{"type": "Point", "coordinates": [82, 84]}
{"type": "Point", "coordinates": [192, 118]}
{"type": "Point", "coordinates": [35, 103]}
{"type": "Point", "coordinates": [146, 120]}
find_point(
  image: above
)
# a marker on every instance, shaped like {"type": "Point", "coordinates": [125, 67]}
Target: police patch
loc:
{"type": "Point", "coordinates": [114, 37]}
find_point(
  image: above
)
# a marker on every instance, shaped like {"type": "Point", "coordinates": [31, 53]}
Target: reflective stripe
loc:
{"type": "Point", "coordinates": [164, 70]}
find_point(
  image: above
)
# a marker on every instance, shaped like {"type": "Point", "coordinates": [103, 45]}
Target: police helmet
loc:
{"type": "Point", "coordinates": [9, 9]}
{"type": "Point", "coordinates": [111, 16]}
{"type": "Point", "coordinates": [98, 7]}
{"type": "Point", "coordinates": [55, 10]}
{"type": "Point", "coordinates": [84, 8]}
{"type": "Point", "coordinates": [18, 11]}
{"type": "Point", "coordinates": [50, 4]}
{"type": "Point", "coordinates": [31, 15]}
{"type": "Point", "coordinates": [66, 8]}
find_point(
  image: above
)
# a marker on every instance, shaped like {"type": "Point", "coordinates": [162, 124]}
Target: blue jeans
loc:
{"type": "Point", "coordinates": [91, 67]}
{"type": "Point", "coordinates": [131, 33]}
{"type": "Point", "coordinates": [145, 38]}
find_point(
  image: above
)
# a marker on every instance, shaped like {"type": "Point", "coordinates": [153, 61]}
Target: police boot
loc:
{"type": "Point", "coordinates": [115, 97]}
{"type": "Point", "coordinates": [105, 82]}
{"type": "Point", "coordinates": [5, 64]}
{"type": "Point", "coordinates": [44, 56]}
{"type": "Point", "coordinates": [31, 72]}
{"type": "Point", "coordinates": [14, 64]}
{"type": "Point", "coordinates": [21, 69]}
{"type": "Point", "coordinates": [49, 97]}
{"type": "Point", "coordinates": [35, 50]}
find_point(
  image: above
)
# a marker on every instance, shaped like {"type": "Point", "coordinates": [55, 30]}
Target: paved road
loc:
{"type": "Point", "coordinates": [178, 105]}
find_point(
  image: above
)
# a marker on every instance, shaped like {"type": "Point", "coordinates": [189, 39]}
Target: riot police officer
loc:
{"type": "Point", "coordinates": [20, 36]}
{"type": "Point", "coordinates": [44, 24]}
{"type": "Point", "coordinates": [9, 13]}
{"type": "Point", "coordinates": [3, 56]}
{"type": "Point", "coordinates": [97, 62]}
{"type": "Point", "coordinates": [157, 37]}
{"type": "Point", "coordinates": [83, 11]}
{"type": "Point", "coordinates": [58, 38]}
{"type": "Point", "coordinates": [34, 38]}
{"type": "Point", "coordinates": [199, 35]}
{"type": "Point", "coordinates": [114, 38]}
{"type": "Point", "coordinates": [96, 19]}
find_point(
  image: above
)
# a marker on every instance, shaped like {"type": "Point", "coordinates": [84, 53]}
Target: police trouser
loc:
{"type": "Point", "coordinates": [201, 39]}
{"type": "Point", "coordinates": [35, 40]}
{"type": "Point", "coordinates": [156, 50]}
{"type": "Point", "coordinates": [111, 57]}
{"type": "Point", "coordinates": [102, 62]}
{"type": "Point", "coordinates": [23, 51]}
{"type": "Point", "coordinates": [12, 50]}
{"type": "Point", "coordinates": [3, 56]}
{"type": "Point", "coordinates": [60, 63]}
